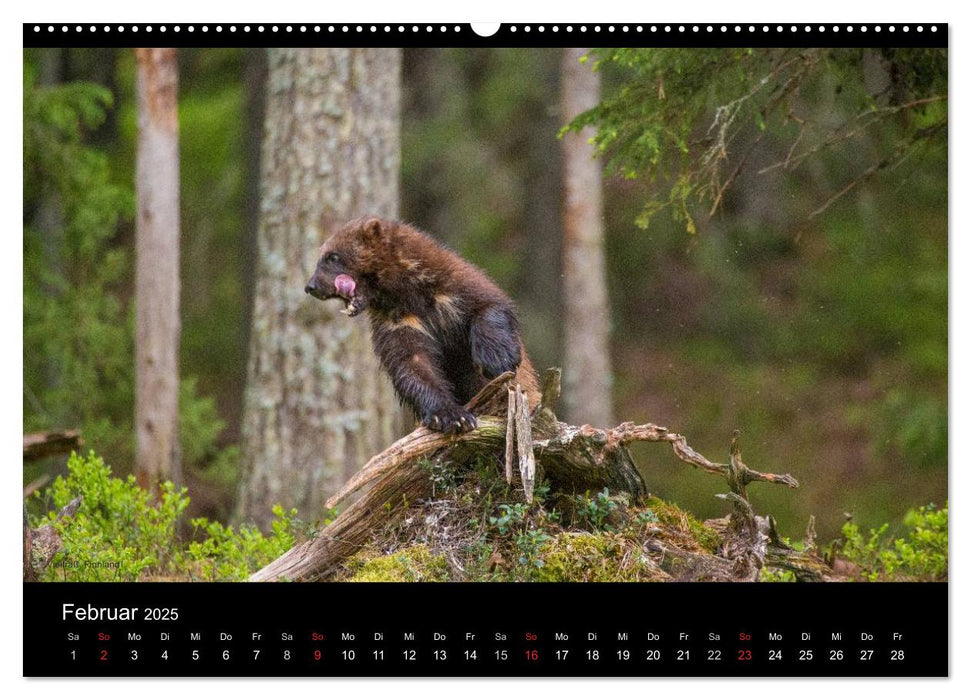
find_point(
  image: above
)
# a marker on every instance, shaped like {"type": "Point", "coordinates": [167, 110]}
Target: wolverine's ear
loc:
{"type": "Point", "coordinates": [373, 231]}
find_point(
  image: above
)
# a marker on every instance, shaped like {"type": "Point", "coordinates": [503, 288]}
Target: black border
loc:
{"type": "Point", "coordinates": [313, 34]}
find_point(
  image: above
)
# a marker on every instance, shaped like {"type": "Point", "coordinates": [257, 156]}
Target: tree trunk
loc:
{"type": "Point", "coordinates": [586, 314]}
{"type": "Point", "coordinates": [157, 456]}
{"type": "Point", "coordinates": [317, 404]}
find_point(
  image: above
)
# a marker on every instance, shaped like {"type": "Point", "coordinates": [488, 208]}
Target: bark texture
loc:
{"type": "Point", "coordinates": [586, 313]}
{"type": "Point", "coordinates": [157, 328]}
{"type": "Point", "coordinates": [317, 405]}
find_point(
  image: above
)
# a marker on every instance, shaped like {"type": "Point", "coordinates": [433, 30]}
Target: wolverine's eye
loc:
{"type": "Point", "coordinates": [332, 258]}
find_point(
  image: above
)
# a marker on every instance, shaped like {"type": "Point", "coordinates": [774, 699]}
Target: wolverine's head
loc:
{"type": "Point", "coordinates": [348, 263]}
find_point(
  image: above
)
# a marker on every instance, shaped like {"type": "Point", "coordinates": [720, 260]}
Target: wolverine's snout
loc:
{"type": "Point", "coordinates": [315, 289]}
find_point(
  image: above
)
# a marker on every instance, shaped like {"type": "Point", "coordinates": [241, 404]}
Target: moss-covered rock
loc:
{"type": "Point", "coordinates": [415, 563]}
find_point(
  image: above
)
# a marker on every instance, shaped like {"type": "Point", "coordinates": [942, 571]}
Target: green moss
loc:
{"type": "Point", "coordinates": [581, 556]}
{"type": "Point", "coordinates": [670, 514]}
{"type": "Point", "coordinates": [414, 563]}
{"type": "Point", "coordinates": [768, 575]}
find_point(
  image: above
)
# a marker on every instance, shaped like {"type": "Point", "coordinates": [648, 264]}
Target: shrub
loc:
{"type": "Point", "coordinates": [121, 533]}
{"type": "Point", "coordinates": [230, 555]}
{"type": "Point", "coordinates": [118, 533]}
{"type": "Point", "coordinates": [921, 554]}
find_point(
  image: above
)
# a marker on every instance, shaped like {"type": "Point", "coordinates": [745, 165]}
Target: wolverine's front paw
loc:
{"type": "Point", "coordinates": [451, 420]}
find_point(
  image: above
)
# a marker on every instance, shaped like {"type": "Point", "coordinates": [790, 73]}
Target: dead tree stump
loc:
{"type": "Point", "coordinates": [572, 459]}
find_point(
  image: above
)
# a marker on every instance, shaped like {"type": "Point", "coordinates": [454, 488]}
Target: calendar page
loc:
{"type": "Point", "coordinates": [485, 350]}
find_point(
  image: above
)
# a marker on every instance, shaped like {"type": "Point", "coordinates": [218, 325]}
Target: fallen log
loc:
{"type": "Point", "coordinates": [57, 442]}
{"type": "Point", "coordinates": [571, 459]}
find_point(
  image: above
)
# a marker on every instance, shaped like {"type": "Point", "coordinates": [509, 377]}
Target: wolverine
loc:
{"type": "Point", "coordinates": [440, 327]}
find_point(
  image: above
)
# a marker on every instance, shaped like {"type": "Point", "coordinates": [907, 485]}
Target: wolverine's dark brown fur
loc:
{"type": "Point", "coordinates": [440, 326]}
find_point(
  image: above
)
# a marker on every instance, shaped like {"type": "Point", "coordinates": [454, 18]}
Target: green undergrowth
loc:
{"type": "Point", "coordinates": [915, 550]}
{"type": "Point", "coordinates": [473, 527]}
{"type": "Point", "coordinates": [918, 553]}
{"type": "Point", "coordinates": [121, 532]}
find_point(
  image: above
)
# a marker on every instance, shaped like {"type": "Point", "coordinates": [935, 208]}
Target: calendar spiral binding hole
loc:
{"type": "Point", "coordinates": [751, 29]}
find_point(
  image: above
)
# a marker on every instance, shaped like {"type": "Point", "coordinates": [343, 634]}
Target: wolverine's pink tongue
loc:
{"type": "Point", "coordinates": [345, 285]}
